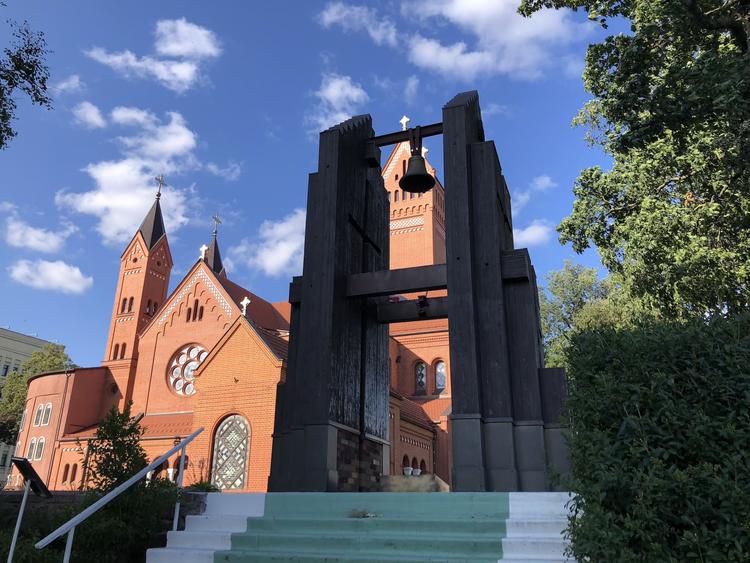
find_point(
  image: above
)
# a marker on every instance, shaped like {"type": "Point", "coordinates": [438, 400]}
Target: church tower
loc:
{"type": "Point", "coordinates": [141, 290]}
{"type": "Point", "coordinates": [417, 220]}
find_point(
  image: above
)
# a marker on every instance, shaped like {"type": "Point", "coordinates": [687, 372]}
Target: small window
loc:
{"type": "Point", "coordinates": [122, 351]}
{"type": "Point", "coordinates": [195, 309]}
{"type": "Point", "coordinates": [420, 378]}
{"type": "Point", "coordinates": [403, 167]}
{"type": "Point", "coordinates": [156, 306]}
{"type": "Point", "coordinates": [65, 473]}
{"type": "Point", "coordinates": [411, 195]}
{"type": "Point", "coordinates": [405, 461]}
{"type": "Point", "coordinates": [148, 307]}
{"type": "Point", "coordinates": [32, 448]}
{"type": "Point", "coordinates": [414, 463]}
{"type": "Point", "coordinates": [39, 449]}
{"type": "Point", "coordinates": [130, 305]}
{"type": "Point", "coordinates": [73, 473]}
{"type": "Point", "coordinates": [200, 313]}
{"type": "Point", "coordinates": [47, 414]}
{"type": "Point", "coordinates": [395, 195]}
{"type": "Point", "coordinates": [189, 313]}
{"type": "Point", "coordinates": [389, 196]}
{"type": "Point", "coordinates": [38, 415]}
{"type": "Point", "coordinates": [440, 375]}
{"type": "Point", "coordinates": [117, 352]}
{"type": "Point", "coordinates": [423, 466]}
{"type": "Point", "coordinates": [124, 304]}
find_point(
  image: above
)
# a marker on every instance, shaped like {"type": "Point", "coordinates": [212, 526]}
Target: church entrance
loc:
{"type": "Point", "coordinates": [231, 452]}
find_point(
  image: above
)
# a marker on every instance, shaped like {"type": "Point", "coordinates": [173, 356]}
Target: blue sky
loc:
{"type": "Point", "coordinates": [225, 100]}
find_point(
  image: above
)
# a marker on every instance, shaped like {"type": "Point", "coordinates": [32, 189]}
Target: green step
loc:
{"type": "Point", "coordinates": [247, 557]}
{"type": "Point", "coordinates": [494, 528]}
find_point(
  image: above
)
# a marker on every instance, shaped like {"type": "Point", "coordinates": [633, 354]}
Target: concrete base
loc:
{"type": "Point", "coordinates": [530, 455]}
{"type": "Point", "coordinates": [413, 484]}
{"type": "Point", "coordinates": [500, 456]}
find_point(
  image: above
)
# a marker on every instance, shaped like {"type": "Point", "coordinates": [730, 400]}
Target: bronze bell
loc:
{"type": "Point", "coordinates": [417, 179]}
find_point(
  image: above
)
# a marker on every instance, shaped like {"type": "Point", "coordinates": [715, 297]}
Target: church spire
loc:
{"type": "Point", "coordinates": [152, 227]}
{"type": "Point", "coordinates": [212, 255]}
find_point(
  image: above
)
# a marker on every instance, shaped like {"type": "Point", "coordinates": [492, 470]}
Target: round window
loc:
{"type": "Point", "coordinates": [181, 373]}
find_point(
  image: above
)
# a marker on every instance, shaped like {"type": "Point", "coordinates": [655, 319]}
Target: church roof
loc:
{"type": "Point", "coordinates": [152, 227]}
{"type": "Point", "coordinates": [412, 411]}
{"type": "Point", "coordinates": [262, 312]}
{"type": "Point", "coordinates": [213, 256]}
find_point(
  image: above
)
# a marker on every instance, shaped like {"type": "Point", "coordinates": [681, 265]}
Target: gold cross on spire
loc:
{"type": "Point", "coordinates": [217, 222]}
{"type": "Point", "coordinates": [161, 182]}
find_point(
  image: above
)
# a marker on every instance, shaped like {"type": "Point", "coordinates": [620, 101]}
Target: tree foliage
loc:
{"type": "Point", "coordinates": [660, 429]}
{"type": "Point", "coordinates": [52, 357]}
{"type": "Point", "coordinates": [23, 68]}
{"type": "Point", "coordinates": [671, 105]}
{"type": "Point", "coordinates": [116, 453]}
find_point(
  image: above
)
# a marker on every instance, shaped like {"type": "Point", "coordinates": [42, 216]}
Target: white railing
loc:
{"type": "Point", "coordinates": [70, 526]}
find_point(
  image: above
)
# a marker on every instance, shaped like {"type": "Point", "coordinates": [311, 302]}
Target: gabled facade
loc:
{"type": "Point", "coordinates": [211, 353]}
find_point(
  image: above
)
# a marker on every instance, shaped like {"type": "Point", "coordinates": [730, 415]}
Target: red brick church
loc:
{"type": "Point", "coordinates": [211, 353]}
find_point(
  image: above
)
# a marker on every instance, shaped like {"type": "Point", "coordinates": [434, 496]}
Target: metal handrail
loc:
{"type": "Point", "coordinates": [70, 525]}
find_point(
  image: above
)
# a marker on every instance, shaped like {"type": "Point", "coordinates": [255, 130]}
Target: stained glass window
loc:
{"type": "Point", "coordinates": [181, 373]}
{"type": "Point", "coordinates": [231, 447]}
{"type": "Point", "coordinates": [440, 376]}
{"type": "Point", "coordinates": [420, 379]}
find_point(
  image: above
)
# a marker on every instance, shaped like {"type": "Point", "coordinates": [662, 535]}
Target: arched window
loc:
{"type": "Point", "coordinates": [395, 195]}
{"type": "Point", "coordinates": [200, 313]}
{"type": "Point", "coordinates": [148, 307]}
{"type": "Point", "coordinates": [124, 304]}
{"type": "Point", "coordinates": [38, 415]}
{"type": "Point", "coordinates": [156, 306]}
{"type": "Point", "coordinates": [122, 351]}
{"type": "Point", "coordinates": [176, 467]}
{"type": "Point", "coordinates": [403, 167]}
{"type": "Point", "coordinates": [130, 305]}
{"type": "Point", "coordinates": [32, 449]}
{"type": "Point", "coordinates": [117, 352]}
{"type": "Point", "coordinates": [39, 449]}
{"type": "Point", "coordinates": [414, 463]}
{"type": "Point", "coordinates": [65, 473]}
{"type": "Point", "coordinates": [189, 313]}
{"type": "Point", "coordinates": [181, 372]}
{"type": "Point", "coordinates": [420, 378]}
{"type": "Point", "coordinates": [47, 414]}
{"type": "Point", "coordinates": [440, 376]}
{"type": "Point", "coordinates": [423, 466]}
{"type": "Point", "coordinates": [73, 473]}
{"type": "Point", "coordinates": [195, 309]}
{"type": "Point", "coordinates": [405, 461]}
{"type": "Point", "coordinates": [230, 453]}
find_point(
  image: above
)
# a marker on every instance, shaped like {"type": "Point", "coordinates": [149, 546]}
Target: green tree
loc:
{"type": "Point", "coordinates": [116, 453]}
{"type": "Point", "coordinates": [23, 68]}
{"type": "Point", "coordinates": [52, 357]}
{"type": "Point", "coordinates": [671, 105]}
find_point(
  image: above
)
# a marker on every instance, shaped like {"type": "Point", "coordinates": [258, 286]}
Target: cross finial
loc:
{"type": "Point", "coordinates": [161, 182]}
{"type": "Point", "coordinates": [217, 222]}
{"type": "Point", "coordinates": [203, 250]}
{"type": "Point", "coordinates": [404, 121]}
{"type": "Point", "coordinates": [245, 302]}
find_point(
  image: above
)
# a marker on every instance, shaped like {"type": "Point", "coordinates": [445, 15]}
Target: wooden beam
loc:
{"type": "Point", "coordinates": [414, 310]}
{"type": "Point", "coordinates": [402, 136]}
{"type": "Point", "coordinates": [392, 282]}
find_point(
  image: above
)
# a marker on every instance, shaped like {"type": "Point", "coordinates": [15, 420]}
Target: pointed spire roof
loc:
{"type": "Point", "coordinates": [152, 227]}
{"type": "Point", "coordinates": [213, 256]}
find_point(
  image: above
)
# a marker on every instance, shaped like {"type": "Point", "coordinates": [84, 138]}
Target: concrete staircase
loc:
{"type": "Point", "coordinates": [372, 527]}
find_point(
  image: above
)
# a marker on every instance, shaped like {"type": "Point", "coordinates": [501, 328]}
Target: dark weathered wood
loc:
{"type": "Point", "coordinates": [413, 310]}
{"type": "Point", "coordinates": [402, 136]}
{"type": "Point", "coordinates": [393, 282]}
{"type": "Point", "coordinates": [516, 265]}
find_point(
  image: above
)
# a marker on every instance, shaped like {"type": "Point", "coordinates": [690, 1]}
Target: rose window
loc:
{"type": "Point", "coordinates": [182, 369]}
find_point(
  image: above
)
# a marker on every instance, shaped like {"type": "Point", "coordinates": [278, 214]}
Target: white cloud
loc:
{"type": "Point", "coordinates": [278, 248]}
{"type": "Point", "coordinates": [539, 232]}
{"type": "Point", "coordinates": [188, 44]}
{"type": "Point", "coordinates": [411, 89]}
{"type": "Point", "coordinates": [180, 38]}
{"type": "Point", "coordinates": [70, 85]}
{"type": "Point", "coordinates": [231, 172]}
{"type": "Point", "coordinates": [88, 115]}
{"type": "Point", "coordinates": [495, 109]}
{"type": "Point", "coordinates": [339, 98]}
{"type": "Point", "coordinates": [359, 18]}
{"type": "Point", "coordinates": [20, 234]}
{"type": "Point", "coordinates": [6, 207]}
{"type": "Point", "coordinates": [538, 184]}
{"type": "Point", "coordinates": [124, 188]}
{"type": "Point", "coordinates": [500, 41]}
{"type": "Point", "coordinates": [53, 276]}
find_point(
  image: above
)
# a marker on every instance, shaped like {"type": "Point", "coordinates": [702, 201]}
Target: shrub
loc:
{"type": "Point", "coordinates": [659, 438]}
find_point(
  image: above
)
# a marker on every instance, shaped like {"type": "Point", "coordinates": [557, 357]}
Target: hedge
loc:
{"type": "Point", "coordinates": [659, 438]}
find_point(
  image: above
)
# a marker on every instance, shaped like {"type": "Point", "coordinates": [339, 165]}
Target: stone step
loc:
{"type": "Point", "coordinates": [343, 557]}
{"type": "Point", "coordinates": [216, 522]}
{"type": "Point", "coordinates": [201, 540]}
{"type": "Point", "coordinates": [412, 545]}
{"type": "Point", "coordinates": [181, 555]}
{"type": "Point", "coordinates": [539, 547]}
{"type": "Point", "coordinates": [536, 527]}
